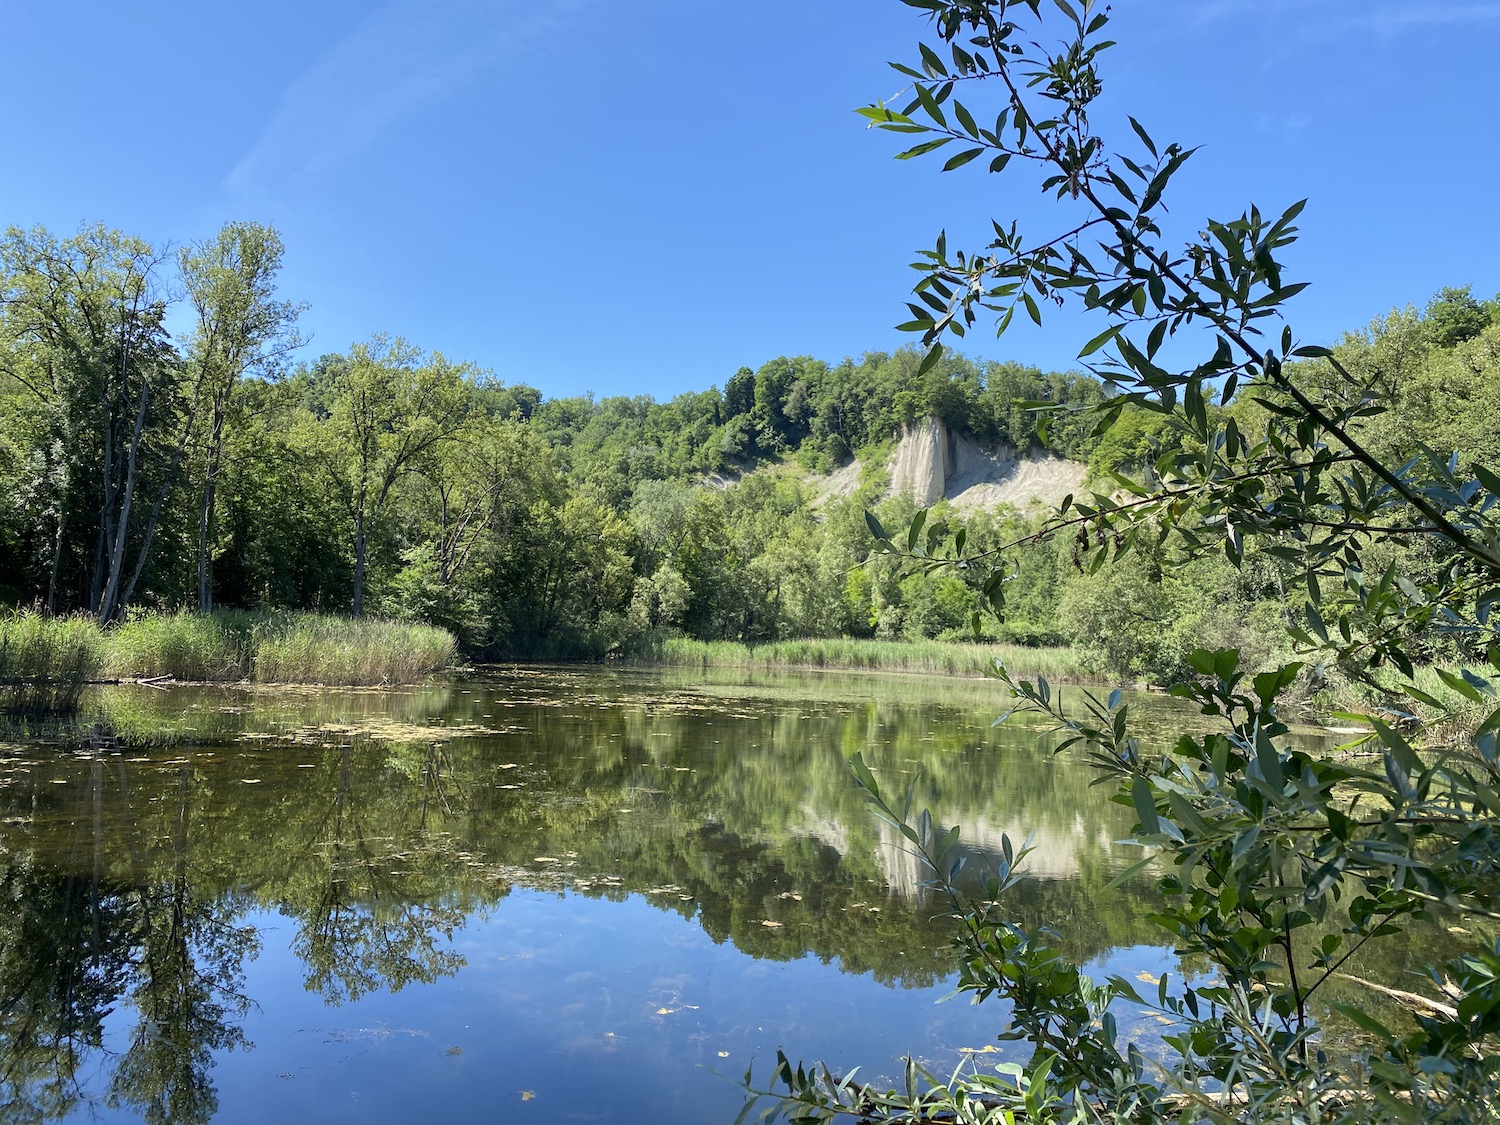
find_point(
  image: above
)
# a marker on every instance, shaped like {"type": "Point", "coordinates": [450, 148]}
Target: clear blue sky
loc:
{"type": "Point", "coordinates": [640, 196]}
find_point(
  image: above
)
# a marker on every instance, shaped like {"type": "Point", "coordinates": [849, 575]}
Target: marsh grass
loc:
{"type": "Point", "coordinates": [45, 662]}
{"type": "Point", "coordinates": [184, 645]}
{"type": "Point", "coordinates": [925, 657]}
{"type": "Point", "coordinates": [1459, 715]}
{"type": "Point", "coordinates": [308, 648]}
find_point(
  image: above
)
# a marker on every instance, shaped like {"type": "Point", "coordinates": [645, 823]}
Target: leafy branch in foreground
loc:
{"type": "Point", "coordinates": [1276, 865]}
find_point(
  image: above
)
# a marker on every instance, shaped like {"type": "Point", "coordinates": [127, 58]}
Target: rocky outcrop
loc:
{"type": "Point", "coordinates": [919, 467]}
{"type": "Point", "coordinates": [931, 463]}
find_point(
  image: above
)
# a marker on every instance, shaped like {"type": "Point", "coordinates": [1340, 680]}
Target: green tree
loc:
{"type": "Point", "coordinates": [1454, 316]}
{"type": "Point", "coordinates": [241, 329]}
{"type": "Point", "coordinates": [282, 520]}
{"type": "Point", "coordinates": [1275, 865]}
{"type": "Point", "coordinates": [82, 335]}
{"type": "Point", "coordinates": [393, 411]}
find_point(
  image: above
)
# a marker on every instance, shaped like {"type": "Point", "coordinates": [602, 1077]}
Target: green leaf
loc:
{"type": "Point", "coordinates": [1145, 138]}
{"type": "Point", "coordinates": [1364, 1021]}
{"type": "Point", "coordinates": [930, 360]}
{"type": "Point", "coordinates": [1145, 805]}
{"type": "Point", "coordinates": [923, 148]}
{"type": "Point", "coordinates": [915, 531]}
{"type": "Point", "coordinates": [1268, 760]}
{"type": "Point", "coordinates": [965, 119]}
{"type": "Point", "coordinates": [1488, 478]}
{"type": "Point", "coordinates": [1133, 869]}
{"type": "Point", "coordinates": [961, 159]}
{"type": "Point", "coordinates": [1100, 340]}
{"type": "Point", "coordinates": [1324, 877]}
{"type": "Point", "coordinates": [1268, 685]}
{"type": "Point", "coordinates": [931, 106]}
{"type": "Point", "coordinates": [883, 115]}
{"type": "Point", "coordinates": [863, 775]}
{"type": "Point", "coordinates": [1461, 685]}
{"type": "Point", "coordinates": [933, 61]}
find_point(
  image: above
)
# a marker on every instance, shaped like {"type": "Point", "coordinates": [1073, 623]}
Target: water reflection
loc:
{"type": "Point", "coordinates": [385, 831]}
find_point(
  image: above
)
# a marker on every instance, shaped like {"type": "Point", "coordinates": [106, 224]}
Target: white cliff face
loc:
{"type": "Point", "coordinates": [1055, 854]}
{"type": "Point", "coordinates": [919, 467]}
{"type": "Point", "coordinates": [932, 464]}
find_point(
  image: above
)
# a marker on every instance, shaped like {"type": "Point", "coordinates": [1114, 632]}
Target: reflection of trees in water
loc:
{"type": "Point", "coordinates": [83, 941]}
{"type": "Point", "coordinates": [187, 978]}
{"type": "Point", "coordinates": [131, 884]}
{"type": "Point", "coordinates": [378, 849]}
{"type": "Point", "coordinates": [358, 924]}
{"type": "Point", "coordinates": [65, 951]}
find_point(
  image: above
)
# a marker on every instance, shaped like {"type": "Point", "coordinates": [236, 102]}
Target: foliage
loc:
{"type": "Point", "coordinates": [390, 480]}
{"type": "Point", "coordinates": [1275, 865]}
{"type": "Point", "coordinates": [241, 327]}
{"type": "Point", "coordinates": [100, 403]}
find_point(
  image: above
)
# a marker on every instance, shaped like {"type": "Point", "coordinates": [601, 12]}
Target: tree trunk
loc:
{"type": "Point", "coordinates": [57, 546]}
{"type": "Point", "coordinates": [359, 563]}
{"type": "Point", "coordinates": [210, 503]}
{"type": "Point", "coordinates": [108, 603]}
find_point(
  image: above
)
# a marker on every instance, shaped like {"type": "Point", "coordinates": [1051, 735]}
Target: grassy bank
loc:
{"type": "Point", "coordinates": [45, 662]}
{"type": "Point", "coordinates": [926, 657]}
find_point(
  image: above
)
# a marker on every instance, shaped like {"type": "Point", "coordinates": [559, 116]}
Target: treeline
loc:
{"type": "Point", "coordinates": [803, 408]}
{"type": "Point", "coordinates": [143, 468]}
{"type": "Point", "coordinates": [139, 468]}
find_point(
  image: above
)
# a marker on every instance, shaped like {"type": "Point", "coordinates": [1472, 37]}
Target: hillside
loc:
{"type": "Point", "coordinates": [933, 463]}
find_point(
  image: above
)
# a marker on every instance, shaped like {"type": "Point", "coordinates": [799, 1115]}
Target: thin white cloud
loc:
{"type": "Point", "coordinates": [1283, 123]}
{"type": "Point", "coordinates": [406, 56]}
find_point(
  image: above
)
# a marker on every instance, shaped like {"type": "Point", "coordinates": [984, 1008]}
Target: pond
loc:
{"type": "Point", "coordinates": [560, 894]}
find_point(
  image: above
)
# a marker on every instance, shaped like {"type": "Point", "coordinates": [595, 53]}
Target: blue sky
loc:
{"type": "Point", "coordinates": [640, 196]}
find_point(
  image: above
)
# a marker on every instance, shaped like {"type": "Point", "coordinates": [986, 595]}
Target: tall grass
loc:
{"type": "Point", "coordinates": [278, 648]}
{"type": "Point", "coordinates": [849, 653]}
{"type": "Point", "coordinates": [184, 645]}
{"type": "Point", "coordinates": [1456, 714]}
{"type": "Point", "coordinates": [311, 649]}
{"type": "Point", "coordinates": [45, 662]}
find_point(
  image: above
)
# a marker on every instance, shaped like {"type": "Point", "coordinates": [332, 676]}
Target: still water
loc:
{"type": "Point", "coordinates": [538, 894]}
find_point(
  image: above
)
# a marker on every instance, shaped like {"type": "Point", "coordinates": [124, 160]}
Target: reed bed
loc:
{"type": "Point", "coordinates": [46, 662]}
{"type": "Point", "coordinates": [941, 658]}
{"type": "Point", "coordinates": [312, 649]}
{"type": "Point", "coordinates": [184, 645]}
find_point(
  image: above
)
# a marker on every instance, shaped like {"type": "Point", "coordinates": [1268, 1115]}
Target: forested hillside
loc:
{"type": "Point", "coordinates": [142, 468]}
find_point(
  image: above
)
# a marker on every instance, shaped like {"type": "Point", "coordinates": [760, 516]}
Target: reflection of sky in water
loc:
{"type": "Point", "coordinates": [579, 1009]}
